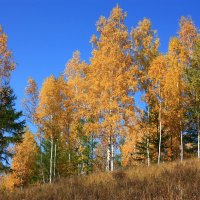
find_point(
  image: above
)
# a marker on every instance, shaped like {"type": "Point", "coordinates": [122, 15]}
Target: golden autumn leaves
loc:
{"type": "Point", "coordinates": [6, 63]}
{"type": "Point", "coordinates": [123, 64]}
{"type": "Point", "coordinates": [96, 100]}
{"type": "Point", "coordinates": [24, 162]}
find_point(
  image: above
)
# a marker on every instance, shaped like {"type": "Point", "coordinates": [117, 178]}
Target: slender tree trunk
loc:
{"type": "Point", "coordinates": [160, 131]}
{"type": "Point", "coordinates": [69, 157]}
{"type": "Point", "coordinates": [51, 158]}
{"type": "Point", "coordinates": [171, 147]}
{"type": "Point", "coordinates": [79, 155]}
{"type": "Point", "coordinates": [181, 133]}
{"type": "Point", "coordinates": [160, 140]}
{"type": "Point", "coordinates": [41, 160]}
{"type": "Point", "coordinates": [181, 146]}
{"type": "Point", "coordinates": [108, 157]}
{"type": "Point", "coordinates": [81, 164]}
{"type": "Point", "coordinates": [55, 152]}
{"type": "Point", "coordinates": [148, 152]}
{"type": "Point", "coordinates": [112, 155]}
{"type": "Point", "coordinates": [92, 153]}
{"type": "Point", "coordinates": [69, 154]}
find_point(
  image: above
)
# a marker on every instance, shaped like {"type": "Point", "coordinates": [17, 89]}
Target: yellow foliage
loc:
{"type": "Point", "coordinates": [23, 163]}
{"type": "Point", "coordinates": [110, 75]}
{"type": "Point", "coordinates": [6, 62]}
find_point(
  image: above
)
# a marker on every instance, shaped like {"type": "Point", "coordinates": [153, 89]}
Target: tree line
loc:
{"type": "Point", "coordinates": [87, 119]}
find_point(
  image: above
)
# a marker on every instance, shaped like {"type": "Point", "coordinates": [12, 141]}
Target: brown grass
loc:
{"type": "Point", "coordinates": [168, 181]}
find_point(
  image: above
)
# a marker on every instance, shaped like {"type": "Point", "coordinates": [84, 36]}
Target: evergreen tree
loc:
{"type": "Point", "coordinates": [11, 125]}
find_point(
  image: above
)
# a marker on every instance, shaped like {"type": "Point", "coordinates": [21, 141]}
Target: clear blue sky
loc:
{"type": "Point", "coordinates": [44, 33]}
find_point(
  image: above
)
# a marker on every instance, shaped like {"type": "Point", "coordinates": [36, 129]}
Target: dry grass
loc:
{"type": "Point", "coordinates": [167, 181]}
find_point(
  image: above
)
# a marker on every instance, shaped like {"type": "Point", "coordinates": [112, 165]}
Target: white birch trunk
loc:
{"type": "Point", "coordinates": [78, 154]}
{"type": "Point", "coordinates": [108, 158]}
{"type": "Point", "coordinates": [112, 157]}
{"type": "Point", "coordinates": [181, 134]}
{"type": "Point", "coordinates": [68, 132]}
{"type": "Point", "coordinates": [92, 156]}
{"type": "Point", "coordinates": [69, 157]}
{"type": "Point", "coordinates": [148, 152]}
{"type": "Point", "coordinates": [160, 130]}
{"type": "Point", "coordinates": [41, 160]}
{"type": "Point", "coordinates": [51, 158]}
{"type": "Point", "coordinates": [109, 154]}
{"type": "Point", "coordinates": [181, 146]}
{"type": "Point", "coordinates": [160, 140]}
{"type": "Point", "coordinates": [55, 151]}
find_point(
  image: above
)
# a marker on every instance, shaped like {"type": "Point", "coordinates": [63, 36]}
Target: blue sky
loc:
{"type": "Point", "coordinates": [43, 34]}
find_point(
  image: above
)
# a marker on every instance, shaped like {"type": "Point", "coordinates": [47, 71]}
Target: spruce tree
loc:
{"type": "Point", "coordinates": [11, 125]}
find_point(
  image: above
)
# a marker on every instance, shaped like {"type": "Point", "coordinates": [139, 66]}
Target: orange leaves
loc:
{"type": "Point", "coordinates": [50, 108]}
{"type": "Point", "coordinates": [188, 33]}
{"type": "Point", "coordinates": [117, 14]}
{"type": "Point", "coordinates": [158, 68]}
{"type": "Point", "coordinates": [145, 40]}
{"type": "Point", "coordinates": [75, 74]}
{"type": "Point", "coordinates": [31, 100]}
{"type": "Point", "coordinates": [145, 49]}
{"type": "Point", "coordinates": [6, 61]}
{"type": "Point", "coordinates": [111, 73]}
{"type": "Point", "coordinates": [98, 98]}
{"type": "Point", "coordinates": [32, 87]}
{"type": "Point", "coordinates": [23, 163]}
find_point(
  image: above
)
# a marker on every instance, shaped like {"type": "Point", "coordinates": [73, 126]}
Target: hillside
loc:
{"type": "Point", "coordinates": [167, 181]}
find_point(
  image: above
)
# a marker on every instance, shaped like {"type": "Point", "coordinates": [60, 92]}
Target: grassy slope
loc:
{"type": "Point", "coordinates": [167, 181]}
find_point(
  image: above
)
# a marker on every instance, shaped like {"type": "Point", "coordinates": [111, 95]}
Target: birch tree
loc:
{"type": "Point", "coordinates": [145, 49]}
{"type": "Point", "coordinates": [49, 112]}
{"type": "Point", "coordinates": [111, 81]}
{"type": "Point", "coordinates": [75, 74]}
{"type": "Point", "coordinates": [157, 72]}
